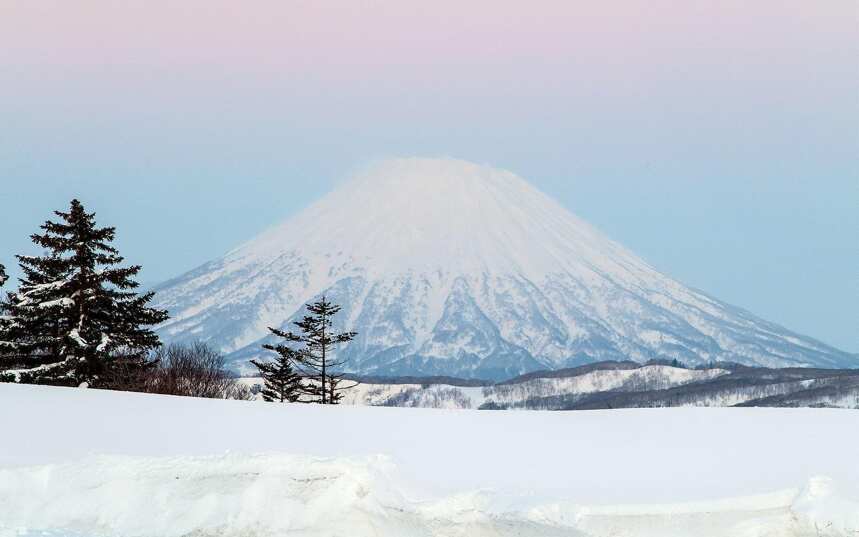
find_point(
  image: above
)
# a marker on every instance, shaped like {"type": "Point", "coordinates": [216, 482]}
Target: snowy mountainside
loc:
{"type": "Point", "coordinates": [445, 267]}
{"type": "Point", "coordinates": [756, 387]}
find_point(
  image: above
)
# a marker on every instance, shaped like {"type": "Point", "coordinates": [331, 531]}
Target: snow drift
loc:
{"type": "Point", "coordinates": [450, 268]}
{"type": "Point", "coordinates": [275, 495]}
{"type": "Point", "coordinates": [93, 463]}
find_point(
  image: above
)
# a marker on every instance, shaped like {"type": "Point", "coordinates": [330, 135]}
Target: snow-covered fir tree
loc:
{"type": "Point", "coordinates": [76, 310]}
{"type": "Point", "coordinates": [320, 367]}
{"type": "Point", "coordinates": [282, 382]}
{"type": "Point", "coordinates": [5, 347]}
{"type": "Point", "coordinates": [32, 318]}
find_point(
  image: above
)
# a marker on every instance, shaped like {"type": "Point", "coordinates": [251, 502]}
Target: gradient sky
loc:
{"type": "Point", "coordinates": [718, 140]}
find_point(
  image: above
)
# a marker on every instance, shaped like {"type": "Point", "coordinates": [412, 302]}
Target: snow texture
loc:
{"type": "Point", "coordinates": [448, 267]}
{"type": "Point", "coordinates": [186, 466]}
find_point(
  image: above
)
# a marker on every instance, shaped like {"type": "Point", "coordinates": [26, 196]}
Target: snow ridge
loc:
{"type": "Point", "coordinates": [448, 267]}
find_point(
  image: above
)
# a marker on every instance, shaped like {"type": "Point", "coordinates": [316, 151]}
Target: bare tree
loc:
{"type": "Point", "coordinates": [128, 373]}
{"type": "Point", "coordinates": [195, 371]}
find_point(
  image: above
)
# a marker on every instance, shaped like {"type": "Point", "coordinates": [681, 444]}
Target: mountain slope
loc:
{"type": "Point", "coordinates": [447, 267]}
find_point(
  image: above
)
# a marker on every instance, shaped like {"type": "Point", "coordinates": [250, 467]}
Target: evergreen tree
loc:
{"type": "Point", "coordinates": [76, 310]}
{"type": "Point", "coordinates": [320, 367]}
{"type": "Point", "coordinates": [5, 346]}
{"type": "Point", "coordinates": [32, 320]}
{"type": "Point", "coordinates": [335, 392]}
{"type": "Point", "coordinates": [282, 382]}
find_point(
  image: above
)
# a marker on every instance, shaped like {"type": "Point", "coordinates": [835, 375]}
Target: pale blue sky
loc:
{"type": "Point", "coordinates": [716, 140]}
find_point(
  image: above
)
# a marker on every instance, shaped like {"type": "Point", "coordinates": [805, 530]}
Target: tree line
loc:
{"type": "Point", "coordinates": [78, 318]}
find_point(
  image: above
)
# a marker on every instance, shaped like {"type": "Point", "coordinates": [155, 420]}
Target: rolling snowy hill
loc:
{"type": "Point", "coordinates": [449, 268]}
{"type": "Point", "coordinates": [612, 385]}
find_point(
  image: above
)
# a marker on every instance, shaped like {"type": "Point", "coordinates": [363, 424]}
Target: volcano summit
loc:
{"type": "Point", "coordinates": [447, 267]}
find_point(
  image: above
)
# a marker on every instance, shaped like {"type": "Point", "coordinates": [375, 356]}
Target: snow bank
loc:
{"type": "Point", "coordinates": [273, 495]}
{"type": "Point", "coordinates": [225, 495]}
{"type": "Point", "coordinates": [119, 464]}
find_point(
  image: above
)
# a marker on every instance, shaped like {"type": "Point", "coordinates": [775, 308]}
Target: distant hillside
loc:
{"type": "Point", "coordinates": [607, 385]}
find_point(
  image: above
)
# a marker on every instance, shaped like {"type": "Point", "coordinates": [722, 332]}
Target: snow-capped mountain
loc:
{"type": "Point", "coordinates": [447, 267]}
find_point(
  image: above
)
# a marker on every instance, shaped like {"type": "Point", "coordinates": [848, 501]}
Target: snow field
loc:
{"type": "Point", "coordinates": [126, 465]}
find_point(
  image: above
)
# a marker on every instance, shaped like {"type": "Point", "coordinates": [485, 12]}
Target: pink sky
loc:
{"type": "Point", "coordinates": [735, 118]}
{"type": "Point", "coordinates": [452, 46]}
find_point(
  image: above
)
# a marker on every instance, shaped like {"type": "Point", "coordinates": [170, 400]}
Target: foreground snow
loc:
{"type": "Point", "coordinates": [114, 464]}
{"type": "Point", "coordinates": [301, 495]}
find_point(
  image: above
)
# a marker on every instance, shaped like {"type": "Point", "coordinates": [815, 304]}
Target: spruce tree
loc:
{"type": "Point", "coordinates": [335, 391]}
{"type": "Point", "coordinates": [320, 367]}
{"type": "Point", "coordinates": [29, 340]}
{"type": "Point", "coordinates": [282, 382]}
{"type": "Point", "coordinates": [5, 346]}
{"type": "Point", "coordinates": [76, 310]}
